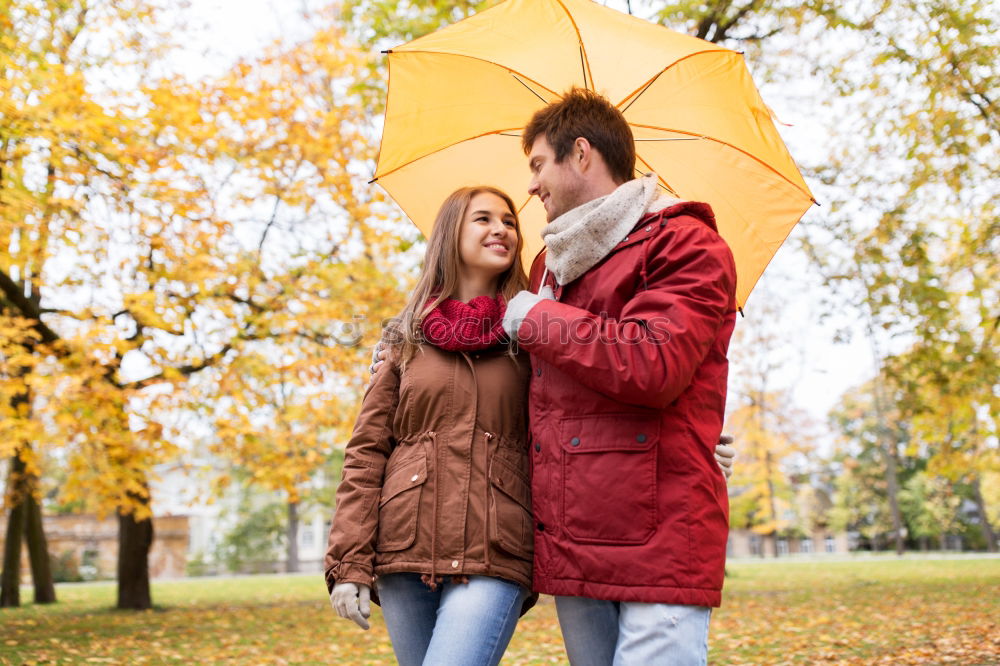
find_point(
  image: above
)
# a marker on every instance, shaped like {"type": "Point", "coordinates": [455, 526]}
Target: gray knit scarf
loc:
{"type": "Point", "coordinates": [578, 239]}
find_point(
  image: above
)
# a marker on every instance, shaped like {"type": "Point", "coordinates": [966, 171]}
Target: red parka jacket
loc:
{"type": "Point", "coordinates": [627, 399]}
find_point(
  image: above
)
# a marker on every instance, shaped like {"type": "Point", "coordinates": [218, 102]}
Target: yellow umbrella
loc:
{"type": "Point", "coordinates": [459, 98]}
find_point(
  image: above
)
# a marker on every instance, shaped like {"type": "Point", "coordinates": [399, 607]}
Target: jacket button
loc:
{"type": "Point", "coordinates": [541, 527]}
{"type": "Point", "coordinates": [538, 372]}
{"type": "Point", "coordinates": [640, 438]}
{"type": "Point", "coordinates": [500, 482]}
{"type": "Point", "coordinates": [538, 447]}
{"type": "Point", "coordinates": [575, 441]}
{"type": "Point", "coordinates": [649, 228]}
{"type": "Point", "coordinates": [414, 477]}
{"type": "Point", "coordinates": [454, 564]}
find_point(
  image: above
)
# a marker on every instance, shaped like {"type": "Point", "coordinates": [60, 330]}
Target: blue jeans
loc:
{"type": "Point", "coordinates": [456, 624]}
{"type": "Point", "coordinates": [624, 633]}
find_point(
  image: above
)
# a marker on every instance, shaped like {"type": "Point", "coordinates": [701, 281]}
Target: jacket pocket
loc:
{"type": "Point", "coordinates": [399, 503]}
{"type": "Point", "coordinates": [510, 510]}
{"type": "Point", "coordinates": [609, 478]}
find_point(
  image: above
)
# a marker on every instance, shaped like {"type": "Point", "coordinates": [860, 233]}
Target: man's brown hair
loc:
{"type": "Point", "coordinates": [585, 113]}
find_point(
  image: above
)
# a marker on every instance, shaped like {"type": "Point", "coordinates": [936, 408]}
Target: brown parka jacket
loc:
{"type": "Point", "coordinates": [436, 477]}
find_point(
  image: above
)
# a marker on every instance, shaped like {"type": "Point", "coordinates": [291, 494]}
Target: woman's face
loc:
{"type": "Point", "coordinates": [487, 239]}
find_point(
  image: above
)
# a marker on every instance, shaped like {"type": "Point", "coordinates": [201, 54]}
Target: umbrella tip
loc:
{"type": "Point", "coordinates": [387, 51]}
{"type": "Point", "coordinates": [373, 180]}
{"type": "Point", "coordinates": [741, 313]}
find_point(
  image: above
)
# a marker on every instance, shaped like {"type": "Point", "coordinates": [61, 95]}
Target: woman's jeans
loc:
{"type": "Point", "coordinates": [457, 624]}
{"type": "Point", "coordinates": [602, 633]}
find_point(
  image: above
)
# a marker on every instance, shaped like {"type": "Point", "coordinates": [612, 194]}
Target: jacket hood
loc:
{"type": "Point", "coordinates": [696, 209]}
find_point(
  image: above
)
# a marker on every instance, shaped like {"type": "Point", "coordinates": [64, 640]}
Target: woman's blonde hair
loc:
{"type": "Point", "coordinates": [440, 275]}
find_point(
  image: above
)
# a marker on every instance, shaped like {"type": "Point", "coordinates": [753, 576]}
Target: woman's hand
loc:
{"type": "Point", "coordinates": [352, 601]}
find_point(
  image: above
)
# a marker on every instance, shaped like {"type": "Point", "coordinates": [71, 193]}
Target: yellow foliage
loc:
{"type": "Point", "coordinates": [217, 227]}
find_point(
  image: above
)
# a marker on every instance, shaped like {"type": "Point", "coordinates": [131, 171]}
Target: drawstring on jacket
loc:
{"type": "Point", "coordinates": [430, 580]}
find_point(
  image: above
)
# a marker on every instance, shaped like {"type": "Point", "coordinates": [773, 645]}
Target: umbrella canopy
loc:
{"type": "Point", "coordinates": [459, 98]}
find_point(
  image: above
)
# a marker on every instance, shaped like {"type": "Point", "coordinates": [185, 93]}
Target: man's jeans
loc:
{"type": "Point", "coordinates": [606, 633]}
{"type": "Point", "coordinates": [458, 624]}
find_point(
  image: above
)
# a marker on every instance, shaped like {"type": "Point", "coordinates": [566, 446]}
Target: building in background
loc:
{"type": "Point", "coordinates": [85, 547]}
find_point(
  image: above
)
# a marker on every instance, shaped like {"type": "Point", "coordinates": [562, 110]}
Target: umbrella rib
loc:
{"type": "Point", "coordinates": [641, 90]}
{"type": "Point", "coordinates": [516, 78]}
{"type": "Point", "coordinates": [488, 62]}
{"type": "Point", "coordinates": [644, 87]}
{"type": "Point", "coordinates": [584, 61]}
{"type": "Point", "coordinates": [736, 148]}
{"type": "Point", "coordinates": [663, 182]}
{"type": "Point", "coordinates": [499, 132]}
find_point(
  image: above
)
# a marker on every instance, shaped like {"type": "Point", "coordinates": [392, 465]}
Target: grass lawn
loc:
{"type": "Point", "coordinates": [878, 611]}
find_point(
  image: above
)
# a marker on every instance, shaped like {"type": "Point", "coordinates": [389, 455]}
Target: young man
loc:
{"type": "Point", "coordinates": [628, 323]}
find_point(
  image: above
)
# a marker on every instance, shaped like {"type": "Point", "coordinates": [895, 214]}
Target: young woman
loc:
{"type": "Point", "coordinates": [434, 504]}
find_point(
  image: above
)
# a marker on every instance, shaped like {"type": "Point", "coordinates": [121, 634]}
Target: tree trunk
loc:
{"type": "Point", "coordinates": [292, 565]}
{"type": "Point", "coordinates": [135, 537]}
{"type": "Point", "coordinates": [22, 499]}
{"type": "Point", "coordinates": [886, 438]}
{"type": "Point", "coordinates": [38, 552]}
{"type": "Point", "coordinates": [893, 492]}
{"type": "Point", "coordinates": [771, 506]}
{"type": "Point", "coordinates": [988, 533]}
{"type": "Point", "coordinates": [10, 581]}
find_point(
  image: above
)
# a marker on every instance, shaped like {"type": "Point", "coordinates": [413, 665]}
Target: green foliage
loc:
{"type": "Point", "coordinates": [390, 22]}
{"type": "Point", "coordinates": [930, 506]}
{"type": "Point", "coordinates": [909, 234]}
{"type": "Point", "coordinates": [65, 567]}
{"type": "Point", "coordinates": [198, 565]}
{"type": "Point", "coordinates": [723, 20]}
{"type": "Point", "coordinates": [255, 540]}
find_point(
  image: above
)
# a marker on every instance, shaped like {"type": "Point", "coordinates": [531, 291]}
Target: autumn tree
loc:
{"type": "Point", "coordinates": [912, 184]}
{"type": "Point", "coordinates": [771, 432]}
{"type": "Point", "coordinates": [931, 508]}
{"type": "Point", "coordinates": [865, 497]}
{"type": "Point", "coordinates": [18, 342]}
{"type": "Point", "coordinates": [79, 158]}
{"type": "Point", "coordinates": [199, 218]}
{"type": "Point", "coordinates": [320, 261]}
{"type": "Point", "coordinates": [952, 388]}
{"type": "Point", "coordinates": [278, 423]}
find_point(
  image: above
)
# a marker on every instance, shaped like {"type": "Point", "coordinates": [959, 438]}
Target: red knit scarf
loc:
{"type": "Point", "coordinates": [457, 326]}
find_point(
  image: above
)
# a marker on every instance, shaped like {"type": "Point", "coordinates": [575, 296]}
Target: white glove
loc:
{"type": "Point", "coordinates": [520, 305]}
{"type": "Point", "coordinates": [351, 601]}
{"type": "Point", "coordinates": [379, 355]}
{"type": "Point", "coordinates": [725, 454]}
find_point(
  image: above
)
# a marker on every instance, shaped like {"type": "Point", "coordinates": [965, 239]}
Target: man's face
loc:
{"type": "Point", "coordinates": [560, 186]}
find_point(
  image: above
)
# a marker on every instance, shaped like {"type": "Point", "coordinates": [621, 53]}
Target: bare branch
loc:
{"type": "Point", "coordinates": [28, 307]}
